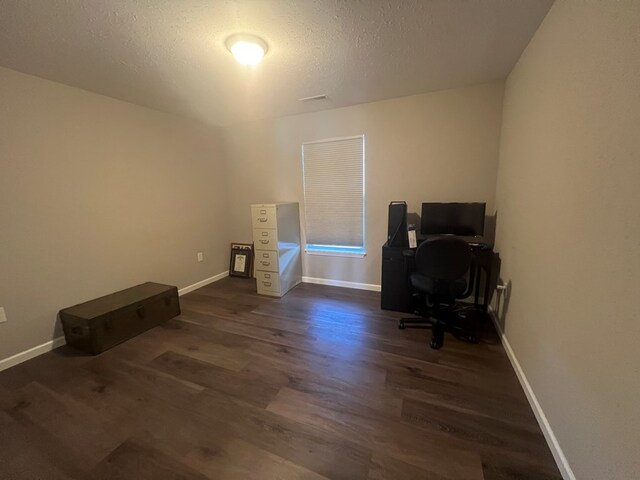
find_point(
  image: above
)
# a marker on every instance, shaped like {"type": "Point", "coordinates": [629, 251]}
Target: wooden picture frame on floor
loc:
{"type": "Point", "coordinates": [241, 262]}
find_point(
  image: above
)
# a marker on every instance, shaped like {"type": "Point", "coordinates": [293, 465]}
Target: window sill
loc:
{"type": "Point", "coordinates": [335, 253]}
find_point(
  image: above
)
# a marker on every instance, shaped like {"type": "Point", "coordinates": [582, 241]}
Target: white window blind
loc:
{"type": "Point", "coordinates": [334, 192]}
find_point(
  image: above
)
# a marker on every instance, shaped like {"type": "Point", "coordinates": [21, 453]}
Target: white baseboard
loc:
{"type": "Point", "coordinates": [340, 283]}
{"type": "Point", "coordinates": [31, 353]}
{"type": "Point", "coordinates": [552, 441]}
{"type": "Point", "coordinates": [202, 283]}
{"type": "Point", "coordinates": [58, 342]}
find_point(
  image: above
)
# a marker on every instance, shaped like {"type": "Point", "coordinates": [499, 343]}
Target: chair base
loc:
{"type": "Point", "coordinates": [439, 326]}
{"type": "Point", "coordinates": [419, 322]}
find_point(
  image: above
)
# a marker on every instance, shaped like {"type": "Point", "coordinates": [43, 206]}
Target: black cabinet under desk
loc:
{"type": "Point", "coordinates": [396, 292]}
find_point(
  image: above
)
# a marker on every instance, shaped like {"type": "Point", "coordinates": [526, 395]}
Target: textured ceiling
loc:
{"type": "Point", "coordinates": [170, 54]}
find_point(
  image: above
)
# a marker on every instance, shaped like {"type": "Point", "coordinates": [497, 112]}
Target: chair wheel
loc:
{"type": "Point", "coordinates": [401, 325]}
{"type": "Point", "coordinates": [435, 345]}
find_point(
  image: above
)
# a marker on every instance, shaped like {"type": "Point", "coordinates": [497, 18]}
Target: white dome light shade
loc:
{"type": "Point", "coordinates": [247, 49]}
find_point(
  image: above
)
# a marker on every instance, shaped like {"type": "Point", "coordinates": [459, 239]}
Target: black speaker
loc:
{"type": "Point", "coordinates": [397, 233]}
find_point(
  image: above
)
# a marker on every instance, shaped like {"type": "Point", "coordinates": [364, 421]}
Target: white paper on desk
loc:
{"type": "Point", "coordinates": [413, 243]}
{"type": "Point", "coordinates": [239, 263]}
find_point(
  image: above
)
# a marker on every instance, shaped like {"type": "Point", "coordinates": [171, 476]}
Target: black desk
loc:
{"type": "Point", "coordinates": [397, 294]}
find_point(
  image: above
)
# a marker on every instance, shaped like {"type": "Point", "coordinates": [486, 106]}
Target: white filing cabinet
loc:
{"type": "Point", "coordinates": [276, 236]}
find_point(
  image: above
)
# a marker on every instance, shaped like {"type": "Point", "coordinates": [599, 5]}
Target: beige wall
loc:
{"type": "Point", "coordinates": [568, 199]}
{"type": "Point", "coordinates": [440, 146]}
{"type": "Point", "coordinates": [98, 195]}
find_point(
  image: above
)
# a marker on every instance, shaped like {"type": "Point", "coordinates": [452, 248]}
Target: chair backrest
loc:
{"type": "Point", "coordinates": [443, 258]}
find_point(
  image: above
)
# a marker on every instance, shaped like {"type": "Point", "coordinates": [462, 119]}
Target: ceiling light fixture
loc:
{"type": "Point", "coordinates": [247, 49]}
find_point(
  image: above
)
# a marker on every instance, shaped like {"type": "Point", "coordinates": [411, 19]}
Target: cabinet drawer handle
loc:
{"type": "Point", "coordinates": [262, 219]}
{"type": "Point", "coordinates": [264, 242]}
{"type": "Point", "coordinates": [265, 255]}
{"type": "Point", "coordinates": [266, 284]}
{"type": "Point", "coordinates": [267, 275]}
{"type": "Point", "coordinates": [266, 264]}
{"type": "Point", "coordinates": [265, 234]}
{"type": "Point", "coordinates": [80, 331]}
{"type": "Point", "coordinates": [263, 212]}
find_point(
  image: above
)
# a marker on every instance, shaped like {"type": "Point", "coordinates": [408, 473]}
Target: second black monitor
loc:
{"type": "Point", "coordinates": [465, 219]}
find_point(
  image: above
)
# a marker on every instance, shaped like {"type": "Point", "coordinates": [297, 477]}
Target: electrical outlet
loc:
{"type": "Point", "coordinates": [200, 256]}
{"type": "Point", "coordinates": [3, 316]}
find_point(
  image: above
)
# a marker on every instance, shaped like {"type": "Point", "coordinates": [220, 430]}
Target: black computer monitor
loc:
{"type": "Point", "coordinates": [466, 219]}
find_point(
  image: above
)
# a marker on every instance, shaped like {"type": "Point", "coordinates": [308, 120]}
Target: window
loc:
{"type": "Point", "coordinates": [333, 175]}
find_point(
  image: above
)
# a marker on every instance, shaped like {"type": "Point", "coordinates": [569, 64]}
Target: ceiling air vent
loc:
{"type": "Point", "coordinates": [312, 99]}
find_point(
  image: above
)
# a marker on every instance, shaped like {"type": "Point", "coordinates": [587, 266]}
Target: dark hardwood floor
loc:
{"type": "Point", "coordinates": [320, 384]}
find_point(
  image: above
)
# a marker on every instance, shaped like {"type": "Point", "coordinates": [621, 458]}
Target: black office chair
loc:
{"type": "Point", "coordinates": [441, 264]}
